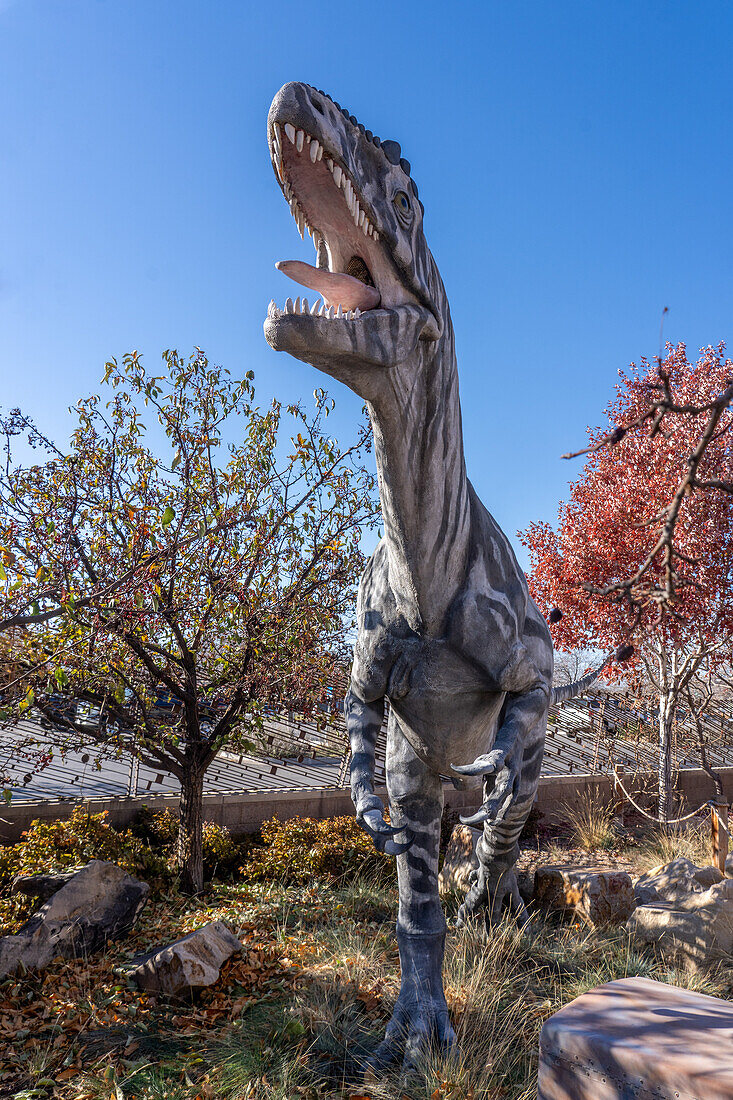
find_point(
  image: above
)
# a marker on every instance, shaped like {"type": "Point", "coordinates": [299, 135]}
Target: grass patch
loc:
{"type": "Point", "coordinates": [295, 1017]}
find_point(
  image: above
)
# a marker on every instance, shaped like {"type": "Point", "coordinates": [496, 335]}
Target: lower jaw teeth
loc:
{"type": "Point", "coordinates": [318, 309]}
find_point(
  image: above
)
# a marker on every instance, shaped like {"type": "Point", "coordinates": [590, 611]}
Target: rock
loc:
{"type": "Point", "coordinates": [460, 860]}
{"type": "Point", "coordinates": [668, 882]}
{"type": "Point", "coordinates": [597, 895]}
{"type": "Point", "coordinates": [708, 876]}
{"type": "Point", "coordinates": [729, 866]}
{"type": "Point", "coordinates": [638, 1038]}
{"type": "Point", "coordinates": [42, 886]}
{"type": "Point", "coordinates": [99, 903]}
{"type": "Point", "coordinates": [695, 930]}
{"type": "Point", "coordinates": [191, 962]}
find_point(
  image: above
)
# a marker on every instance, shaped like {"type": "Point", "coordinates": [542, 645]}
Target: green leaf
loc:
{"type": "Point", "coordinates": [168, 516]}
{"type": "Point", "coordinates": [7, 795]}
{"type": "Point", "coordinates": [61, 678]}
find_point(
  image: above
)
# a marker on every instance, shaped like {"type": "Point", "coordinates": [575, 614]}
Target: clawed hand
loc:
{"type": "Point", "coordinates": [501, 785]}
{"type": "Point", "coordinates": [372, 822]}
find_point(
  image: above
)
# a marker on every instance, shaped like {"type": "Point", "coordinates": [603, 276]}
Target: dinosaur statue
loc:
{"type": "Point", "coordinates": [447, 630]}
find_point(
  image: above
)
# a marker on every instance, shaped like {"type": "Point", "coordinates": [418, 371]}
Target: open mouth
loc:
{"type": "Point", "coordinates": [324, 199]}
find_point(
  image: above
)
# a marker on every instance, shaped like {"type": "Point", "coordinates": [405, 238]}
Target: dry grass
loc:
{"type": "Point", "coordinates": [308, 1038]}
{"type": "Point", "coordinates": [591, 823]}
{"type": "Point", "coordinates": [689, 840]}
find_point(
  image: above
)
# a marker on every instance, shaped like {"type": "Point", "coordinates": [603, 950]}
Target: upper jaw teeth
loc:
{"type": "Point", "coordinates": [315, 151]}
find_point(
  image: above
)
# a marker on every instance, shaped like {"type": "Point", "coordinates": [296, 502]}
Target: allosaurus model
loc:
{"type": "Point", "coordinates": [447, 630]}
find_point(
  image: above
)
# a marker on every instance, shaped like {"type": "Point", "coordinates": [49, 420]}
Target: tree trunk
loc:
{"type": "Point", "coordinates": [666, 715]}
{"type": "Point", "coordinates": [189, 846]}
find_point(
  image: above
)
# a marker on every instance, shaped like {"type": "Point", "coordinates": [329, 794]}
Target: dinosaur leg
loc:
{"type": "Point", "coordinates": [420, 1019]}
{"type": "Point", "coordinates": [495, 885]}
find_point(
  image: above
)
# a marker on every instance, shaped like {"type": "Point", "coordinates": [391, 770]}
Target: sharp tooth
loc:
{"type": "Point", "coordinates": [306, 308]}
{"type": "Point", "coordinates": [329, 164]}
{"type": "Point", "coordinates": [314, 150]}
{"type": "Point", "coordinates": [338, 310]}
{"type": "Point", "coordinates": [290, 131]}
{"type": "Point", "coordinates": [320, 152]}
{"type": "Point", "coordinates": [356, 211]}
{"type": "Point", "coordinates": [288, 305]}
{"type": "Point", "coordinates": [357, 313]}
{"type": "Point", "coordinates": [301, 224]}
{"type": "Point", "coordinates": [349, 315]}
{"type": "Point", "coordinates": [362, 217]}
{"type": "Point", "coordinates": [327, 313]}
{"type": "Point", "coordinates": [316, 308]}
{"type": "Point", "coordinates": [364, 229]}
{"type": "Point", "coordinates": [271, 307]}
{"type": "Point", "coordinates": [375, 235]}
{"type": "Point", "coordinates": [337, 174]}
{"type": "Point", "coordinates": [299, 139]}
{"type": "Point", "coordinates": [296, 305]}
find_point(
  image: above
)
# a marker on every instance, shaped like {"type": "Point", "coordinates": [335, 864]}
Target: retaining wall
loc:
{"type": "Point", "coordinates": [244, 813]}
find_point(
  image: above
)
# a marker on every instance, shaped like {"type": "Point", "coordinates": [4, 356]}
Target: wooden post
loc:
{"type": "Point", "coordinates": [719, 833]}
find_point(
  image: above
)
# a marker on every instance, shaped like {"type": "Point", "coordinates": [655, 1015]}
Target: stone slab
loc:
{"type": "Point", "coordinates": [639, 1039]}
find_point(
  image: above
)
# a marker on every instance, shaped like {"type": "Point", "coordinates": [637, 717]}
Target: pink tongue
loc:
{"type": "Point", "coordinates": [336, 289]}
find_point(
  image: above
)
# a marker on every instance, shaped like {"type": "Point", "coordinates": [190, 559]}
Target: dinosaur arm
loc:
{"type": "Point", "coordinates": [501, 766]}
{"type": "Point", "coordinates": [363, 722]}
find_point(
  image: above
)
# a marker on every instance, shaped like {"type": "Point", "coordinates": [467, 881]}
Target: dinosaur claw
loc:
{"type": "Point", "coordinates": [393, 848]}
{"type": "Point", "coordinates": [476, 819]}
{"type": "Point", "coordinates": [487, 764]}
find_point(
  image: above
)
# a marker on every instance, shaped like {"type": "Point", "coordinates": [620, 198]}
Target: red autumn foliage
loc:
{"type": "Point", "coordinates": [607, 527]}
{"type": "Point", "coordinates": [612, 522]}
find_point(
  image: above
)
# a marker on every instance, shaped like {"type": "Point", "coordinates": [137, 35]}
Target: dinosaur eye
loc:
{"type": "Point", "coordinates": [402, 203]}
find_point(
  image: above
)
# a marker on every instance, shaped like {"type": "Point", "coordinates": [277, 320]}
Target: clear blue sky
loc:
{"type": "Point", "coordinates": [575, 160]}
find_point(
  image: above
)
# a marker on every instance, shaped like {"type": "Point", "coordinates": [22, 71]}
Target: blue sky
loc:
{"type": "Point", "coordinates": [575, 161]}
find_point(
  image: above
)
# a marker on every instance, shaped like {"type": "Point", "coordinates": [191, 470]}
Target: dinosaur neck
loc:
{"type": "Point", "coordinates": [422, 482]}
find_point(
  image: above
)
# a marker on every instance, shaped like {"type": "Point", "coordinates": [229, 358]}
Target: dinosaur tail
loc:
{"type": "Point", "coordinates": [563, 692]}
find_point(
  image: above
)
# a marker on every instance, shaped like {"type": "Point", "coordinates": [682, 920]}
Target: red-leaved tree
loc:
{"type": "Point", "coordinates": [610, 525]}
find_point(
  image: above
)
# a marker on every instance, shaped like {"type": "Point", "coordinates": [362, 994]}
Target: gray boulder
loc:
{"type": "Point", "coordinates": [99, 903]}
{"type": "Point", "coordinates": [42, 886]}
{"type": "Point", "coordinates": [674, 881]}
{"type": "Point", "coordinates": [191, 962]}
{"type": "Point", "coordinates": [696, 929]}
{"type": "Point", "coordinates": [460, 860]}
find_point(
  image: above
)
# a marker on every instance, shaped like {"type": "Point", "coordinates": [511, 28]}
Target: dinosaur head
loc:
{"type": "Point", "coordinates": [376, 290]}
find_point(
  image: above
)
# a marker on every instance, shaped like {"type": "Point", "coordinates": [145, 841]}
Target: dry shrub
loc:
{"type": "Point", "coordinates": [302, 848]}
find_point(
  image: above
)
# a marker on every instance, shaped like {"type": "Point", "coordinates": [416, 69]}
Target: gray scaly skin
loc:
{"type": "Point", "coordinates": [447, 630]}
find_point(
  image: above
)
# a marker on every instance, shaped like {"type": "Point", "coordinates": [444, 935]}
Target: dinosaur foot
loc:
{"type": "Point", "coordinates": [420, 1022]}
{"type": "Point", "coordinates": [494, 895]}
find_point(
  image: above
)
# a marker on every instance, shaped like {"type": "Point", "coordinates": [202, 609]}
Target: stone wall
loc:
{"type": "Point", "coordinates": [244, 813]}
